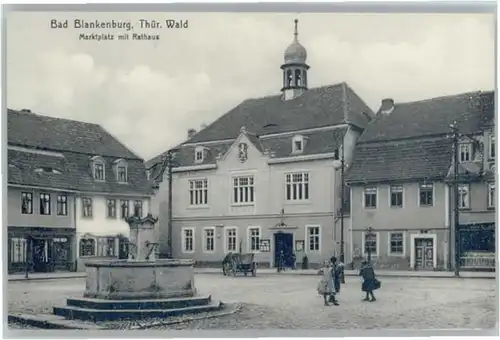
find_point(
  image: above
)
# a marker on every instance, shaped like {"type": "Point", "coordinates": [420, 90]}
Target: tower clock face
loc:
{"type": "Point", "coordinates": [243, 152]}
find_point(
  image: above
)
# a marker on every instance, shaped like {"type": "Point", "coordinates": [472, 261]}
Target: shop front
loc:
{"type": "Point", "coordinates": [477, 246]}
{"type": "Point", "coordinates": [42, 250]}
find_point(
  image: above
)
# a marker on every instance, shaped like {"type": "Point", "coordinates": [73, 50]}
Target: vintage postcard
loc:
{"type": "Point", "coordinates": [180, 170]}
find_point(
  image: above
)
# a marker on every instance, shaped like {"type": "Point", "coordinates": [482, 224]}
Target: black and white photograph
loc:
{"type": "Point", "coordinates": [250, 171]}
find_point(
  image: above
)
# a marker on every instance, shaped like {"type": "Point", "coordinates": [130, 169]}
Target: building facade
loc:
{"type": "Point", "coordinates": [69, 185]}
{"type": "Point", "coordinates": [264, 177]}
{"type": "Point", "coordinates": [402, 184]}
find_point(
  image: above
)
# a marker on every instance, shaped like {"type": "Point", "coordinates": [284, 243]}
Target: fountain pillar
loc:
{"type": "Point", "coordinates": [142, 246]}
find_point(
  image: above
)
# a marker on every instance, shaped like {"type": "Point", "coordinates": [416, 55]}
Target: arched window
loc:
{"type": "Point", "coordinates": [98, 168]}
{"type": "Point", "coordinates": [289, 78]}
{"type": "Point", "coordinates": [304, 78]}
{"type": "Point", "coordinates": [298, 78]}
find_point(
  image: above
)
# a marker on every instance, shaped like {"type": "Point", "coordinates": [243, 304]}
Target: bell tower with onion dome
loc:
{"type": "Point", "coordinates": [294, 68]}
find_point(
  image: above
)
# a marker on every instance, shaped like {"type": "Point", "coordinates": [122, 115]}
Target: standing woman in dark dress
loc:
{"type": "Point", "coordinates": [370, 283]}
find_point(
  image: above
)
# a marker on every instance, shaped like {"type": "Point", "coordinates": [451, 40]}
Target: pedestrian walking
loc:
{"type": "Point", "coordinates": [370, 282]}
{"type": "Point", "coordinates": [326, 286]}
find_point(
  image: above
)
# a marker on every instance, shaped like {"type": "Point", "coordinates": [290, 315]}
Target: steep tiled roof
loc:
{"type": "Point", "coordinates": [33, 130]}
{"type": "Point", "coordinates": [75, 173]}
{"type": "Point", "coordinates": [73, 168]}
{"type": "Point", "coordinates": [317, 107]}
{"type": "Point", "coordinates": [316, 142]}
{"type": "Point", "coordinates": [471, 110]}
{"type": "Point", "coordinates": [413, 159]}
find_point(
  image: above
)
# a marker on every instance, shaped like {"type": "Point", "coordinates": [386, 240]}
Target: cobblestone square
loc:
{"type": "Point", "coordinates": [291, 302]}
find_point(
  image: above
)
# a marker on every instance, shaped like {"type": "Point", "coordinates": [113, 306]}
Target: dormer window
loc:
{"type": "Point", "coordinates": [121, 171]}
{"type": "Point", "coordinates": [465, 152]}
{"type": "Point", "coordinates": [199, 154]}
{"type": "Point", "coordinates": [47, 170]}
{"type": "Point", "coordinates": [298, 144]}
{"type": "Point", "coordinates": [98, 168]}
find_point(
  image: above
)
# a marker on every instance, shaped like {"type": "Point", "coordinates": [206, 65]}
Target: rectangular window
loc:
{"type": "Point", "coordinates": [106, 247]}
{"type": "Point", "coordinates": [188, 240]}
{"type": "Point", "coordinates": [26, 203]}
{"type": "Point", "coordinates": [198, 192]}
{"type": "Point", "coordinates": [397, 246]}
{"type": "Point", "coordinates": [465, 150]}
{"type": "Point", "coordinates": [371, 197]}
{"type": "Point", "coordinates": [370, 245]}
{"type": "Point", "coordinates": [254, 239]}
{"type": "Point", "coordinates": [492, 147]}
{"type": "Point", "coordinates": [209, 240]}
{"type": "Point", "coordinates": [199, 156]}
{"type": "Point", "coordinates": [124, 207]}
{"type": "Point", "coordinates": [99, 171]}
{"type": "Point", "coordinates": [87, 247]}
{"type": "Point", "coordinates": [297, 186]}
{"type": "Point", "coordinates": [463, 196]}
{"type": "Point", "coordinates": [122, 174]}
{"type": "Point", "coordinates": [231, 239]}
{"type": "Point", "coordinates": [111, 207]}
{"type": "Point", "coordinates": [491, 195]}
{"type": "Point", "coordinates": [44, 204]}
{"type": "Point", "coordinates": [87, 206]}
{"type": "Point", "coordinates": [18, 250]}
{"type": "Point", "coordinates": [62, 205]}
{"type": "Point", "coordinates": [298, 146]}
{"type": "Point", "coordinates": [243, 190]}
{"type": "Point", "coordinates": [396, 196]}
{"type": "Point", "coordinates": [313, 238]}
{"type": "Point", "coordinates": [138, 208]}
{"type": "Point", "coordinates": [426, 193]}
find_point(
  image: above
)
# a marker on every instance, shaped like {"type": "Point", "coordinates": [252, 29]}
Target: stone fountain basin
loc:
{"type": "Point", "coordinates": [129, 279]}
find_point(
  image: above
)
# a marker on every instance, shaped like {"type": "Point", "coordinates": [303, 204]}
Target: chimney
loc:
{"type": "Point", "coordinates": [387, 106]}
{"type": "Point", "coordinates": [191, 133]}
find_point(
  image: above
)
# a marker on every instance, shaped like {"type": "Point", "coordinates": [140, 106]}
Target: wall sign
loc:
{"type": "Point", "coordinates": [299, 245]}
{"type": "Point", "coordinates": [265, 246]}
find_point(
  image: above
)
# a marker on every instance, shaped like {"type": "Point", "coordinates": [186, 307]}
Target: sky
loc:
{"type": "Point", "coordinates": [149, 93]}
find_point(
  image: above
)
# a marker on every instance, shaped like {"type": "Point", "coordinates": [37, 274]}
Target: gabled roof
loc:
{"type": "Point", "coordinates": [316, 107]}
{"type": "Point", "coordinates": [406, 160]}
{"type": "Point", "coordinates": [48, 133]}
{"type": "Point", "coordinates": [75, 149]}
{"type": "Point", "coordinates": [473, 111]}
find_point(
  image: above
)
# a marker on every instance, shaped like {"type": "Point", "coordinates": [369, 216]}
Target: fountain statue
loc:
{"type": "Point", "coordinates": [140, 286]}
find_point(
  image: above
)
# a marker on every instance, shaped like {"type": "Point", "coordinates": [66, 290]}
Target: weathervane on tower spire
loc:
{"type": "Point", "coordinates": [296, 33]}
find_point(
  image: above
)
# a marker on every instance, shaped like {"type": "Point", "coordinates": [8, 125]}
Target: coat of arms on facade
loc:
{"type": "Point", "coordinates": [242, 152]}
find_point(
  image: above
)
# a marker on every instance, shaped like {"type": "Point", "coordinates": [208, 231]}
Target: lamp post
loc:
{"type": "Point", "coordinates": [29, 255]}
{"type": "Point", "coordinates": [454, 135]}
{"type": "Point", "coordinates": [342, 189]}
{"type": "Point", "coordinates": [368, 235]}
{"type": "Point", "coordinates": [170, 165]}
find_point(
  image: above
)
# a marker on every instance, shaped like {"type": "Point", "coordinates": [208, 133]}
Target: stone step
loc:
{"type": "Point", "coordinates": [138, 304]}
{"type": "Point", "coordinates": [88, 314]}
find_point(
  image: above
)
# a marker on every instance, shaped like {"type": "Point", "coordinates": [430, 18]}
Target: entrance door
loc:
{"type": "Point", "coordinates": [283, 242]}
{"type": "Point", "coordinates": [40, 255]}
{"type": "Point", "coordinates": [424, 253]}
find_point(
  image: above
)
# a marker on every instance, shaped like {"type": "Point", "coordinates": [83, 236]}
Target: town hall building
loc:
{"type": "Point", "coordinates": [264, 178]}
